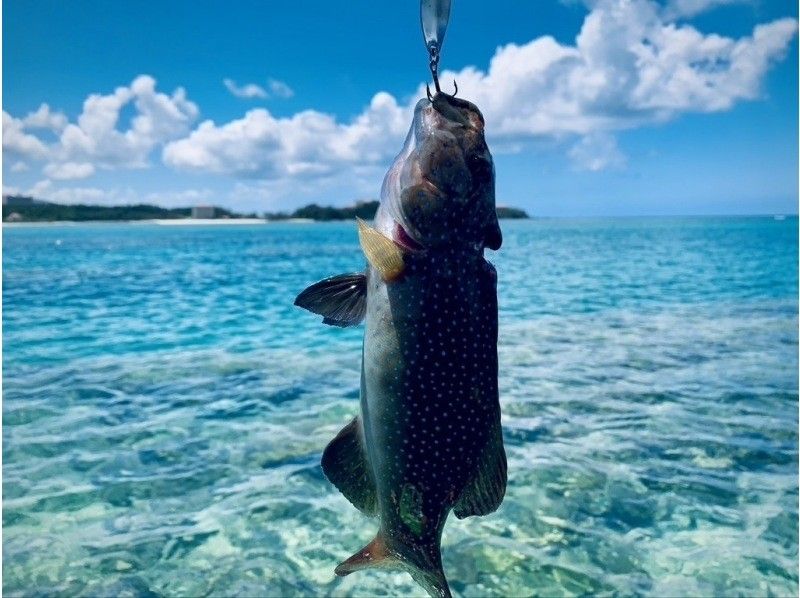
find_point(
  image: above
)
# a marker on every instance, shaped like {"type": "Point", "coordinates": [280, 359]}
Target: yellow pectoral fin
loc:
{"type": "Point", "coordinates": [382, 253]}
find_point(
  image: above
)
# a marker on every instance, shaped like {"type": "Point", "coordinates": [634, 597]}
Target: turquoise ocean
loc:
{"type": "Point", "coordinates": [165, 407]}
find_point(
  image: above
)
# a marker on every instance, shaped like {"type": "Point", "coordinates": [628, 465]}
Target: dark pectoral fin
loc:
{"type": "Point", "coordinates": [344, 463]}
{"type": "Point", "coordinates": [484, 492]}
{"type": "Point", "coordinates": [341, 300]}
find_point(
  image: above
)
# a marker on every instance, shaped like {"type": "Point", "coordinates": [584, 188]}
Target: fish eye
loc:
{"type": "Point", "coordinates": [479, 164]}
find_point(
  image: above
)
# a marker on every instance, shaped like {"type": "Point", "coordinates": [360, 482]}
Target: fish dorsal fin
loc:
{"type": "Point", "coordinates": [484, 492]}
{"type": "Point", "coordinates": [344, 463]}
{"type": "Point", "coordinates": [341, 300]}
{"type": "Point", "coordinates": [381, 252]}
{"type": "Point", "coordinates": [374, 554]}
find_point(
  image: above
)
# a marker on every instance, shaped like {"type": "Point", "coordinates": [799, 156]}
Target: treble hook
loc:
{"type": "Point", "coordinates": [433, 51]}
{"type": "Point", "coordinates": [428, 90]}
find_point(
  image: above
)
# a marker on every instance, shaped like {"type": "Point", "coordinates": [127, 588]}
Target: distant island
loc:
{"type": "Point", "coordinates": [17, 208]}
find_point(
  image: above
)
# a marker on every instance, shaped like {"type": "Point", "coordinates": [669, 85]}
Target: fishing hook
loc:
{"type": "Point", "coordinates": [430, 97]}
{"type": "Point", "coordinates": [433, 51]}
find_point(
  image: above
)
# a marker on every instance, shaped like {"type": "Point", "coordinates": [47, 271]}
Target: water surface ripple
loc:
{"type": "Point", "coordinates": [165, 407]}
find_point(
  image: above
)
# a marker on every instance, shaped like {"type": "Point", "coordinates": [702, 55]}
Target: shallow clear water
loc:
{"type": "Point", "coordinates": [165, 407]}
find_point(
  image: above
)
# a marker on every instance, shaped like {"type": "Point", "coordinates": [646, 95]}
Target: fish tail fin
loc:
{"type": "Point", "coordinates": [432, 579]}
{"type": "Point", "coordinates": [425, 566]}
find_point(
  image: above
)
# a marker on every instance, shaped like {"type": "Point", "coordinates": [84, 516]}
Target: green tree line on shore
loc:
{"type": "Point", "coordinates": [26, 209]}
{"type": "Point", "coordinates": [364, 209]}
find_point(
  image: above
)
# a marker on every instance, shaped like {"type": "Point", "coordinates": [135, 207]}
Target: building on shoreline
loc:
{"type": "Point", "coordinates": [203, 212]}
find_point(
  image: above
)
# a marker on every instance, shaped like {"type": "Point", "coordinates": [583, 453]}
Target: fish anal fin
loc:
{"type": "Point", "coordinates": [341, 300]}
{"type": "Point", "coordinates": [485, 490]}
{"type": "Point", "coordinates": [374, 554]}
{"type": "Point", "coordinates": [344, 463]}
{"type": "Point", "coordinates": [381, 252]}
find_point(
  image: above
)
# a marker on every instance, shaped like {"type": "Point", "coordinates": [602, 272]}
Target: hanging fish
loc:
{"type": "Point", "coordinates": [428, 440]}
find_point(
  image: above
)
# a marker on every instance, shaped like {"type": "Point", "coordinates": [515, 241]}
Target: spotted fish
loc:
{"type": "Point", "coordinates": [428, 440]}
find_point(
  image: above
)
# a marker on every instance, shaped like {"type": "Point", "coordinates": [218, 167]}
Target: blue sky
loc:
{"type": "Point", "coordinates": [607, 107]}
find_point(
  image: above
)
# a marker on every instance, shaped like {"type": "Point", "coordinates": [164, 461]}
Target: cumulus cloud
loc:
{"type": "Point", "coordinates": [307, 145]}
{"type": "Point", "coordinates": [630, 65]}
{"type": "Point", "coordinates": [248, 91]}
{"type": "Point", "coordinates": [95, 140]}
{"type": "Point", "coordinates": [44, 118]}
{"type": "Point", "coordinates": [633, 63]}
{"type": "Point", "coordinates": [627, 68]}
{"type": "Point", "coordinates": [19, 143]}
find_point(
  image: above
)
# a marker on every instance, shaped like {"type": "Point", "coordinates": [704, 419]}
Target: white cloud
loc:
{"type": "Point", "coordinates": [95, 139]}
{"type": "Point", "coordinates": [307, 145]}
{"type": "Point", "coordinates": [40, 189]}
{"type": "Point", "coordinates": [44, 189]}
{"type": "Point", "coordinates": [280, 89]}
{"type": "Point", "coordinates": [18, 143]}
{"type": "Point", "coordinates": [69, 170]}
{"type": "Point", "coordinates": [688, 8]}
{"type": "Point", "coordinates": [19, 167]}
{"type": "Point", "coordinates": [91, 195]}
{"type": "Point", "coordinates": [629, 66]}
{"type": "Point", "coordinates": [248, 91]}
{"type": "Point", "coordinates": [251, 90]}
{"type": "Point", "coordinates": [47, 190]}
{"type": "Point", "coordinates": [43, 118]}
{"type": "Point", "coordinates": [280, 193]}
{"type": "Point", "coordinates": [597, 151]}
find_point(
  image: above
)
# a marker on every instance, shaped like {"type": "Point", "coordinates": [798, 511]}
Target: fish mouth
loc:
{"type": "Point", "coordinates": [403, 239]}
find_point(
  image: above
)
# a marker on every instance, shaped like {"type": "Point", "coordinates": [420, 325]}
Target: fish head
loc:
{"type": "Point", "coordinates": [439, 191]}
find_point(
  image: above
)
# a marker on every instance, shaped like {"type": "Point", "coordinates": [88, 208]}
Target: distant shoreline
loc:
{"type": "Point", "coordinates": [19, 209]}
{"type": "Point", "coordinates": [179, 222]}
{"type": "Point", "coordinates": [156, 221]}
{"type": "Point", "coordinates": [185, 222]}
